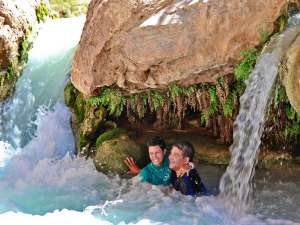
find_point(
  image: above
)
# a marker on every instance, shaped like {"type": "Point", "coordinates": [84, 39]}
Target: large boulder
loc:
{"type": "Point", "coordinates": [138, 45]}
{"type": "Point", "coordinates": [111, 154]}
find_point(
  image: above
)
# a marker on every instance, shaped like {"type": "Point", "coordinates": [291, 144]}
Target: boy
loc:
{"type": "Point", "coordinates": [188, 184]}
{"type": "Point", "coordinates": [157, 172]}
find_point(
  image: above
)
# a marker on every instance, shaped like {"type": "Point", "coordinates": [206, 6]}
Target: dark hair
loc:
{"type": "Point", "coordinates": [186, 148]}
{"type": "Point", "coordinates": [157, 141]}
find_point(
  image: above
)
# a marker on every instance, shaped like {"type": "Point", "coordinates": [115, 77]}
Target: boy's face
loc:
{"type": "Point", "coordinates": [156, 155]}
{"type": "Point", "coordinates": [176, 158]}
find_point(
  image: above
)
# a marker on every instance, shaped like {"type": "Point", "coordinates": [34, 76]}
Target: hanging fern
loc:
{"type": "Point", "coordinates": [213, 108]}
{"type": "Point", "coordinates": [112, 98]}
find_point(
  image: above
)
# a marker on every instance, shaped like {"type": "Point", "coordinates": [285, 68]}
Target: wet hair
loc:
{"type": "Point", "coordinates": [186, 148]}
{"type": "Point", "coordinates": [157, 140]}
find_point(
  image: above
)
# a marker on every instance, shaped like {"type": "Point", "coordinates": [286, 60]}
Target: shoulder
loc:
{"type": "Point", "coordinates": [194, 172]}
{"type": "Point", "coordinates": [194, 175]}
{"type": "Point", "coordinates": [145, 172]}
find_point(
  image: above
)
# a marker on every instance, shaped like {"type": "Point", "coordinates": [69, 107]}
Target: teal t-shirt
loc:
{"type": "Point", "coordinates": [157, 175]}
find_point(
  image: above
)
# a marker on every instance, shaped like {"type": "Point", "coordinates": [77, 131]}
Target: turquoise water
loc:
{"type": "Point", "coordinates": [43, 182]}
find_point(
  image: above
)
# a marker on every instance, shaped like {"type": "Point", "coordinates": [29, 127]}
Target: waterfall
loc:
{"type": "Point", "coordinates": [42, 82]}
{"type": "Point", "coordinates": [235, 184]}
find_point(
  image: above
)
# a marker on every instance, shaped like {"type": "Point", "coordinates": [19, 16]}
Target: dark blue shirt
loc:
{"type": "Point", "coordinates": [189, 184]}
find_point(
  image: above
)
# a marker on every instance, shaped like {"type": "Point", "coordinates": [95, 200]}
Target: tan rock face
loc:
{"type": "Point", "coordinates": [15, 18]}
{"type": "Point", "coordinates": [292, 79]}
{"type": "Point", "coordinates": [149, 44]}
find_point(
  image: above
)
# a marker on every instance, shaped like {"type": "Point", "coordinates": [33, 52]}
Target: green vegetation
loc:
{"type": "Point", "coordinates": [243, 69]}
{"type": "Point", "coordinates": [213, 108]}
{"type": "Point", "coordinates": [283, 21]}
{"type": "Point", "coordinates": [80, 107]}
{"type": "Point", "coordinates": [283, 122]}
{"type": "Point", "coordinates": [264, 36]}
{"type": "Point", "coordinates": [42, 12]}
{"type": "Point", "coordinates": [112, 98]}
{"type": "Point", "coordinates": [157, 100]}
{"type": "Point", "coordinates": [229, 105]}
{"type": "Point", "coordinates": [24, 48]}
{"type": "Point", "coordinates": [108, 135]}
{"type": "Point", "coordinates": [11, 71]}
{"type": "Point", "coordinates": [69, 8]}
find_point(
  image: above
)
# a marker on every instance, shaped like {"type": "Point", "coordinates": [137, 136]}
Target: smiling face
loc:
{"type": "Point", "coordinates": [177, 159]}
{"type": "Point", "coordinates": [156, 155]}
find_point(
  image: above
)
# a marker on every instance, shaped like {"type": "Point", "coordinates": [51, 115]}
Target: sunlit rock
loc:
{"type": "Point", "coordinates": [149, 44]}
{"type": "Point", "coordinates": [292, 79]}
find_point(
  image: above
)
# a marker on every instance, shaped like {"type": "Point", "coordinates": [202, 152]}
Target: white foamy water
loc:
{"type": "Point", "coordinates": [42, 82]}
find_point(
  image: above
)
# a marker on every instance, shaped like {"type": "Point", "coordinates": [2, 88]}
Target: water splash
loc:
{"type": "Point", "coordinates": [235, 184]}
{"type": "Point", "coordinates": [43, 79]}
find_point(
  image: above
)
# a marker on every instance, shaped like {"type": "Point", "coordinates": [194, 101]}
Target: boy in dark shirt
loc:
{"type": "Point", "coordinates": [190, 183]}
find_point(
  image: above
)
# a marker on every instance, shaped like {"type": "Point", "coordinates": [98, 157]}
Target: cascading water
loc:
{"type": "Point", "coordinates": [43, 182]}
{"type": "Point", "coordinates": [235, 184]}
{"type": "Point", "coordinates": [42, 82]}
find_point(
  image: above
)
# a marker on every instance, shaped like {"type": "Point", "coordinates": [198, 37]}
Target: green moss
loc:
{"type": "Point", "coordinates": [79, 108]}
{"type": "Point", "coordinates": [283, 21]}
{"type": "Point", "coordinates": [264, 36]}
{"type": "Point", "coordinates": [83, 141]}
{"type": "Point", "coordinates": [70, 94]}
{"type": "Point", "coordinates": [11, 72]}
{"type": "Point", "coordinates": [24, 47]}
{"type": "Point", "coordinates": [42, 12]}
{"type": "Point", "coordinates": [108, 135]}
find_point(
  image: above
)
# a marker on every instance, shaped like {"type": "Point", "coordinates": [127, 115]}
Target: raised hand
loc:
{"type": "Point", "coordinates": [185, 169]}
{"type": "Point", "coordinates": [133, 168]}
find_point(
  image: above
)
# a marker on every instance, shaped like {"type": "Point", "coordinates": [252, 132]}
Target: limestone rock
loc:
{"type": "Point", "coordinates": [111, 154]}
{"type": "Point", "coordinates": [16, 17]}
{"type": "Point", "coordinates": [138, 45]}
{"type": "Point", "coordinates": [292, 79]}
